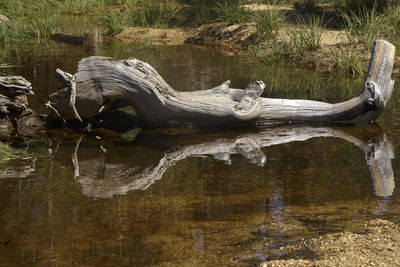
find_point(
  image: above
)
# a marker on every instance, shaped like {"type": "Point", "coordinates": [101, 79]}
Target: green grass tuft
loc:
{"type": "Point", "coordinates": [114, 22]}
{"type": "Point", "coordinates": [308, 6]}
{"type": "Point", "coordinates": [159, 15]}
{"type": "Point", "coordinates": [307, 37]}
{"type": "Point", "coordinates": [267, 23]}
{"type": "Point", "coordinates": [364, 27]}
{"type": "Point", "coordinates": [232, 12]}
{"type": "Point", "coordinates": [346, 60]}
{"type": "Point", "coordinates": [7, 152]}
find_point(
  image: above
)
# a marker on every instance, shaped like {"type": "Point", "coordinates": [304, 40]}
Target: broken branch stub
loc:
{"type": "Point", "coordinates": [102, 83]}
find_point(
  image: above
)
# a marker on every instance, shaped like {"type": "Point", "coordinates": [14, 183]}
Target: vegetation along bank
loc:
{"type": "Point", "coordinates": [322, 34]}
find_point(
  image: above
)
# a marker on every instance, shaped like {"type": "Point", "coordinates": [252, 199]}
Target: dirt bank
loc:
{"type": "Point", "coordinates": [174, 36]}
{"type": "Point", "coordinates": [240, 40]}
{"type": "Point", "coordinates": [330, 49]}
{"type": "Point", "coordinates": [229, 37]}
{"type": "Point", "coordinates": [378, 244]}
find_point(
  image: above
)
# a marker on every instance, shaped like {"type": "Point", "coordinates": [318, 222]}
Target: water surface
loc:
{"type": "Point", "coordinates": [202, 198]}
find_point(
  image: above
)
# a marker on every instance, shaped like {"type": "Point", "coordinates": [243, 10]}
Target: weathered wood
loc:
{"type": "Point", "coordinates": [106, 174]}
{"type": "Point", "coordinates": [103, 83]}
{"type": "Point", "coordinates": [12, 86]}
{"type": "Point", "coordinates": [13, 92]}
{"type": "Point", "coordinates": [15, 116]}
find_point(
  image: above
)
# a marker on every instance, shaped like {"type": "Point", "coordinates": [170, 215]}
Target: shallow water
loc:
{"type": "Point", "coordinates": [196, 198]}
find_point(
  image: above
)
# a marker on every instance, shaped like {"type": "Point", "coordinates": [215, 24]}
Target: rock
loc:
{"type": "Point", "coordinates": [4, 19]}
{"type": "Point", "coordinates": [195, 40]}
{"type": "Point", "coordinates": [29, 123]}
{"type": "Point", "coordinates": [68, 38]}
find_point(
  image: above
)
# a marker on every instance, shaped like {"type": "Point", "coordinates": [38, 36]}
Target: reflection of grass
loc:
{"type": "Point", "coordinates": [4, 67]}
{"type": "Point", "coordinates": [285, 82]}
{"type": "Point", "coordinates": [143, 50]}
{"type": "Point", "coordinates": [7, 153]}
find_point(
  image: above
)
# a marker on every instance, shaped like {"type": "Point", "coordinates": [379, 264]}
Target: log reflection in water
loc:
{"type": "Point", "coordinates": [106, 174]}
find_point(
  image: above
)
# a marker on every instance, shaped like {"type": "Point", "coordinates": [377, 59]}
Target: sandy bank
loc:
{"type": "Point", "coordinates": [378, 244]}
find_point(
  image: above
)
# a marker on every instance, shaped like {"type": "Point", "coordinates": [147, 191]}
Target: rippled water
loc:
{"type": "Point", "coordinates": [202, 198]}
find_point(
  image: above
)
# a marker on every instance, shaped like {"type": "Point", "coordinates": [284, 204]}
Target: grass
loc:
{"type": "Point", "coordinates": [43, 26]}
{"type": "Point", "coordinates": [268, 22]}
{"type": "Point", "coordinates": [232, 12]}
{"type": "Point", "coordinates": [7, 153]}
{"type": "Point", "coordinates": [346, 60]}
{"type": "Point", "coordinates": [391, 22]}
{"type": "Point", "coordinates": [114, 22]}
{"type": "Point", "coordinates": [359, 6]}
{"type": "Point", "coordinates": [275, 51]}
{"type": "Point", "coordinates": [306, 37]}
{"type": "Point", "coordinates": [159, 15]}
{"type": "Point", "coordinates": [308, 6]}
{"type": "Point", "coordinates": [205, 11]}
{"type": "Point", "coordinates": [363, 21]}
{"type": "Point", "coordinates": [363, 27]}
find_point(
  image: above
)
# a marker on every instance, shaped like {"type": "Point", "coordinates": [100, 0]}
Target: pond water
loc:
{"type": "Point", "coordinates": [198, 198]}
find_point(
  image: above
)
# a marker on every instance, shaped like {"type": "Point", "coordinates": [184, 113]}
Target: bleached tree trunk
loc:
{"type": "Point", "coordinates": [101, 83]}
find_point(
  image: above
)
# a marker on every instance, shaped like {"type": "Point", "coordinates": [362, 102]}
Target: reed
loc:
{"type": "Point", "coordinates": [158, 14]}
{"type": "Point", "coordinates": [267, 22]}
{"type": "Point", "coordinates": [308, 6]}
{"type": "Point", "coordinates": [306, 37]}
{"type": "Point", "coordinates": [346, 60]}
{"type": "Point", "coordinates": [391, 25]}
{"type": "Point", "coordinates": [42, 27]}
{"type": "Point", "coordinates": [358, 7]}
{"type": "Point", "coordinates": [364, 27]}
{"type": "Point", "coordinates": [114, 22]}
{"type": "Point", "coordinates": [232, 12]}
{"type": "Point", "coordinates": [6, 152]}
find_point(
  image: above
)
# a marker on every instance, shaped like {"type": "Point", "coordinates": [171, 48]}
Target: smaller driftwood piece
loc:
{"type": "Point", "coordinates": [102, 83]}
{"type": "Point", "coordinates": [15, 116]}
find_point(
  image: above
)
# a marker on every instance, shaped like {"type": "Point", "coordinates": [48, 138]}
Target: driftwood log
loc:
{"type": "Point", "coordinates": [15, 116]}
{"type": "Point", "coordinates": [103, 83]}
{"type": "Point", "coordinates": [120, 169]}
